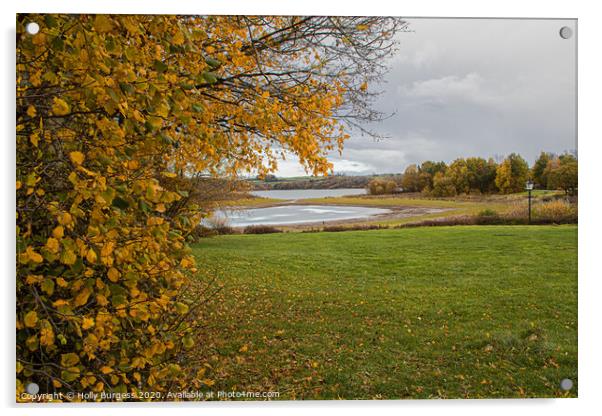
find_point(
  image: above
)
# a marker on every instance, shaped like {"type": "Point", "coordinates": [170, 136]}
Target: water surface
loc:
{"type": "Point", "coordinates": [296, 214]}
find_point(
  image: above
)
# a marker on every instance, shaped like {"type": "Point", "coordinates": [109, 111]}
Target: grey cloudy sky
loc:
{"type": "Point", "coordinates": [470, 87]}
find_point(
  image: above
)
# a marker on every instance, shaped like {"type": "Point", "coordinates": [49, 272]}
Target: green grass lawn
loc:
{"type": "Point", "coordinates": [448, 312]}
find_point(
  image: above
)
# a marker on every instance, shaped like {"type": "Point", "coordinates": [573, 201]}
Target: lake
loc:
{"type": "Point", "coordinates": [294, 194]}
{"type": "Point", "coordinates": [296, 214]}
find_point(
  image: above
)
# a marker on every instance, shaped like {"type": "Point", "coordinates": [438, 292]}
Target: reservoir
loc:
{"type": "Point", "coordinates": [296, 214]}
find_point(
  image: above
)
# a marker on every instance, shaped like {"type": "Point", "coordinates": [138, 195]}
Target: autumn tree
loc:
{"type": "Point", "coordinates": [443, 185]}
{"type": "Point", "coordinates": [512, 174]}
{"type": "Point", "coordinates": [562, 173]}
{"type": "Point", "coordinates": [481, 174]}
{"type": "Point", "coordinates": [380, 186]}
{"type": "Point", "coordinates": [538, 172]}
{"type": "Point", "coordinates": [117, 117]}
{"type": "Point", "coordinates": [411, 180]}
{"type": "Point", "coordinates": [458, 173]}
{"type": "Point", "coordinates": [428, 170]}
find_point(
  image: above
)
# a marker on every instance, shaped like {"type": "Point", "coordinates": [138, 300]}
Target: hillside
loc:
{"type": "Point", "coordinates": [313, 182]}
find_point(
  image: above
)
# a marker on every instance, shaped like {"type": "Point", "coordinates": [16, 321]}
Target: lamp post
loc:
{"type": "Point", "coordinates": [529, 188]}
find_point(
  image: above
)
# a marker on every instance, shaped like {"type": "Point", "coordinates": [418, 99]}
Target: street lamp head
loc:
{"type": "Point", "coordinates": [529, 185]}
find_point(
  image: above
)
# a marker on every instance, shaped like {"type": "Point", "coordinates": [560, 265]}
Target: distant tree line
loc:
{"type": "Point", "coordinates": [328, 182]}
{"type": "Point", "coordinates": [475, 175]}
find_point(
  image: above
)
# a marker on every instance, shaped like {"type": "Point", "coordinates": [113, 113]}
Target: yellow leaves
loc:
{"type": "Point", "coordinates": [188, 342]}
{"type": "Point", "coordinates": [102, 300]}
{"type": "Point", "coordinates": [46, 334]}
{"type": "Point", "coordinates": [131, 24]}
{"type": "Point", "coordinates": [155, 122]}
{"type": "Point", "coordinates": [39, 39]}
{"type": "Point", "coordinates": [33, 256]}
{"type": "Point", "coordinates": [181, 308]}
{"type": "Point", "coordinates": [48, 286]}
{"type": "Point", "coordinates": [32, 343]}
{"type": "Point", "coordinates": [52, 245]}
{"type": "Point", "coordinates": [31, 319]}
{"type": "Point", "coordinates": [103, 23]}
{"type": "Point", "coordinates": [86, 171]}
{"type": "Point", "coordinates": [157, 348]}
{"type": "Point", "coordinates": [177, 38]}
{"type": "Point", "coordinates": [60, 302]}
{"type": "Point", "coordinates": [77, 157]}
{"type": "Point", "coordinates": [98, 387]}
{"type": "Point", "coordinates": [113, 275]}
{"type": "Point", "coordinates": [60, 107]}
{"type": "Point", "coordinates": [91, 256]}
{"type": "Point", "coordinates": [87, 381]}
{"type": "Point", "coordinates": [208, 382]}
{"type": "Point", "coordinates": [68, 257]}
{"type": "Point", "coordinates": [105, 369]}
{"type": "Point", "coordinates": [18, 185]}
{"type": "Point", "coordinates": [31, 111]}
{"type": "Point", "coordinates": [65, 219]}
{"type": "Point", "coordinates": [58, 232]}
{"type": "Point", "coordinates": [116, 69]}
{"type": "Point", "coordinates": [90, 344]}
{"type": "Point", "coordinates": [134, 291]}
{"type": "Point", "coordinates": [82, 297]}
{"type": "Point", "coordinates": [154, 221]}
{"type": "Point", "coordinates": [364, 86]}
{"type": "Point", "coordinates": [107, 249]}
{"type": "Point", "coordinates": [244, 348]}
{"type": "Point", "coordinates": [87, 323]}
{"type": "Point", "coordinates": [138, 116]}
{"type": "Point", "coordinates": [132, 164]}
{"type": "Point", "coordinates": [36, 78]}
{"type": "Point", "coordinates": [32, 179]}
{"type": "Point", "coordinates": [33, 279]}
{"type": "Point", "coordinates": [187, 262]}
{"type": "Point", "coordinates": [138, 362]}
{"type": "Point", "coordinates": [163, 110]}
{"type": "Point", "coordinates": [140, 313]}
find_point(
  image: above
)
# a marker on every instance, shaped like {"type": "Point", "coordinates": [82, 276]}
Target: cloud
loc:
{"type": "Point", "coordinates": [470, 87]}
{"type": "Point", "coordinates": [292, 167]}
{"type": "Point", "coordinates": [352, 166]}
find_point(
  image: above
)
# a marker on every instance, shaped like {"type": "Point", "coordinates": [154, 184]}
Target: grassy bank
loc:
{"type": "Point", "coordinates": [460, 206]}
{"type": "Point", "coordinates": [411, 313]}
{"type": "Point", "coordinates": [250, 202]}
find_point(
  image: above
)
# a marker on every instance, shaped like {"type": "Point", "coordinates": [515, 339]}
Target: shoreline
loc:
{"type": "Point", "coordinates": [396, 212]}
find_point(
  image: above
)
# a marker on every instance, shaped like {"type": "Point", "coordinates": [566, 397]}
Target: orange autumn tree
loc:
{"type": "Point", "coordinates": [117, 117]}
